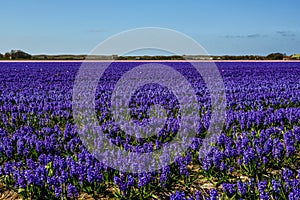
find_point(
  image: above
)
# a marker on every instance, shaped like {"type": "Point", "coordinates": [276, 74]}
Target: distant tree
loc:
{"type": "Point", "coordinates": [275, 56]}
{"type": "Point", "coordinates": [7, 55]}
{"type": "Point", "coordinates": [1, 55]}
{"type": "Point", "coordinates": [18, 54]}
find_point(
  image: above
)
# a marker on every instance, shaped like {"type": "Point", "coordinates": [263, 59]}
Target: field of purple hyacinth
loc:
{"type": "Point", "coordinates": [256, 155]}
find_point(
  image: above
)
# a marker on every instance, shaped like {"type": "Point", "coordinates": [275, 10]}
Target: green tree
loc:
{"type": "Point", "coordinates": [17, 54]}
{"type": "Point", "coordinates": [275, 56]}
{"type": "Point", "coordinates": [7, 55]}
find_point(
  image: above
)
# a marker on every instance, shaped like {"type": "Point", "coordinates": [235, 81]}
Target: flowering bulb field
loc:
{"type": "Point", "coordinates": [256, 155]}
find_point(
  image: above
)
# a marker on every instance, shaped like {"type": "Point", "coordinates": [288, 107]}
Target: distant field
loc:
{"type": "Point", "coordinates": [194, 61]}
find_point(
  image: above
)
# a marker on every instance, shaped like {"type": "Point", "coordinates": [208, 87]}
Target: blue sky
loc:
{"type": "Point", "coordinates": [221, 27]}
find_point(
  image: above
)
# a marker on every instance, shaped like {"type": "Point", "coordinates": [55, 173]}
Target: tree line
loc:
{"type": "Point", "coordinates": [272, 56]}
{"type": "Point", "coordinates": [19, 54]}
{"type": "Point", "coordinates": [15, 54]}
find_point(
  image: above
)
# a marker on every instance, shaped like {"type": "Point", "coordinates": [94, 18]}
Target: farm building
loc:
{"type": "Point", "coordinates": [296, 56]}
